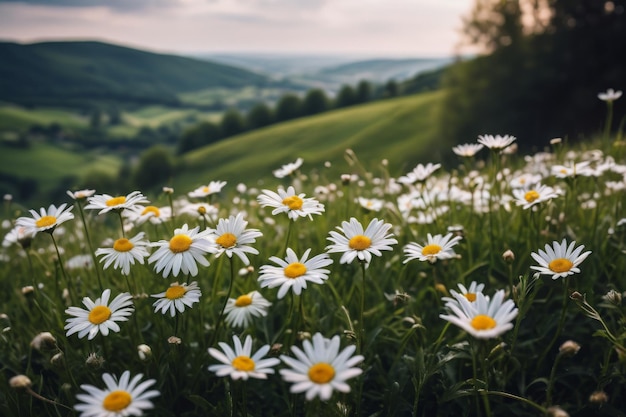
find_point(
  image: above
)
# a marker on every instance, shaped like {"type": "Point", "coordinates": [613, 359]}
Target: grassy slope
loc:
{"type": "Point", "coordinates": [400, 130]}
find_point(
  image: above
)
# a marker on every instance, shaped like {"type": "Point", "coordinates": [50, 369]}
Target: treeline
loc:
{"type": "Point", "coordinates": [291, 106]}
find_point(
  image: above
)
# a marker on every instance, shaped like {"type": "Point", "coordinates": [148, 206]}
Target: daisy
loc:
{"type": "Point", "coordinates": [124, 253]}
{"type": "Point", "coordinates": [356, 243]}
{"type": "Point", "coordinates": [572, 170]}
{"type": "Point", "coordinates": [20, 235]}
{"type": "Point", "coordinates": [240, 363]}
{"type": "Point", "coordinates": [176, 297]}
{"type": "Point", "coordinates": [371, 204]}
{"type": "Point", "coordinates": [484, 318]}
{"type": "Point", "coordinates": [100, 316]}
{"type": "Point", "coordinates": [45, 220]}
{"type": "Point", "coordinates": [559, 260]}
{"type": "Point", "coordinates": [528, 197]}
{"type": "Point", "coordinates": [106, 202]}
{"type": "Point", "coordinates": [123, 397]}
{"type": "Point", "coordinates": [610, 95]}
{"type": "Point", "coordinates": [496, 143]}
{"type": "Point", "coordinates": [288, 169]}
{"type": "Point", "coordinates": [155, 215]}
{"type": "Point", "coordinates": [467, 150]}
{"type": "Point", "coordinates": [419, 174]}
{"type": "Point", "coordinates": [294, 273]}
{"type": "Point", "coordinates": [468, 292]}
{"type": "Point", "coordinates": [80, 194]}
{"type": "Point", "coordinates": [525, 180]}
{"type": "Point", "coordinates": [437, 247]}
{"type": "Point", "coordinates": [240, 311]}
{"type": "Point", "coordinates": [320, 368]}
{"type": "Point", "coordinates": [200, 210]}
{"type": "Point", "coordinates": [213, 187]}
{"type": "Point", "coordinates": [181, 253]}
{"type": "Point", "coordinates": [232, 238]}
{"type": "Point", "coordinates": [288, 202]}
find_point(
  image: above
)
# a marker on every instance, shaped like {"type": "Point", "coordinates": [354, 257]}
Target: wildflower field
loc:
{"type": "Point", "coordinates": [491, 289]}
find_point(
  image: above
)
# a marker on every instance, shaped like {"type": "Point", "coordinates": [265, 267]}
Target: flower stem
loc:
{"type": "Point", "coordinates": [220, 318]}
{"type": "Point", "coordinates": [91, 251]}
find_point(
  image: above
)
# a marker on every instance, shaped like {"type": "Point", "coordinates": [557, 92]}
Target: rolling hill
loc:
{"type": "Point", "coordinates": [66, 73]}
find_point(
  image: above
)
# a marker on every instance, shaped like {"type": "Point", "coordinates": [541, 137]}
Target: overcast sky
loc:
{"type": "Point", "coordinates": [363, 27]}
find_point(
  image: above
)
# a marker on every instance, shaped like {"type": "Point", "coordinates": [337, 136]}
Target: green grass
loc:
{"type": "Point", "coordinates": [16, 118]}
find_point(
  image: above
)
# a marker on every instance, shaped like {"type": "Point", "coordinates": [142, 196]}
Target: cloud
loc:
{"type": "Point", "coordinates": [120, 5]}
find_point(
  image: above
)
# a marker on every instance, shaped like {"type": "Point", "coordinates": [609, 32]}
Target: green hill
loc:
{"type": "Point", "coordinates": [400, 130]}
{"type": "Point", "coordinates": [66, 73]}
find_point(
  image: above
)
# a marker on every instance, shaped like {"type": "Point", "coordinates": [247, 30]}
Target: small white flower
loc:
{"type": "Point", "coordinates": [295, 205]}
{"type": "Point", "coordinates": [467, 292]}
{"type": "Point", "coordinates": [240, 363]}
{"type": "Point", "coordinates": [45, 220]}
{"type": "Point", "coordinates": [530, 197]}
{"type": "Point", "coordinates": [294, 273]}
{"type": "Point", "coordinates": [124, 253]}
{"type": "Point", "coordinates": [371, 204]}
{"type": "Point", "coordinates": [182, 252]}
{"type": "Point", "coordinates": [232, 238]}
{"type": "Point", "coordinates": [496, 143]}
{"type": "Point", "coordinates": [437, 247]}
{"type": "Point", "coordinates": [357, 243]}
{"type": "Point", "coordinates": [467, 150]}
{"type": "Point", "coordinates": [241, 310]}
{"type": "Point", "coordinates": [419, 174]}
{"type": "Point", "coordinates": [484, 318]}
{"type": "Point", "coordinates": [176, 298]}
{"type": "Point", "coordinates": [610, 95]}
{"type": "Point", "coordinates": [572, 170]}
{"type": "Point", "coordinates": [19, 235]}
{"type": "Point", "coordinates": [559, 259]}
{"type": "Point", "coordinates": [321, 368]}
{"type": "Point", "coordinates": [155, 215]}
{"type": "Point", "coordinates": [81, 194]}
{"type": "Point", "coordinates": [106, 202]}
{"type": "Point", "coordinates": [100, 316]}
{"type": "Point", "coordinates": [288, 169]}
{"type": "Point", "coordinates": [126, 397]}
{"type": "Point", "coordinates": [213, 187]}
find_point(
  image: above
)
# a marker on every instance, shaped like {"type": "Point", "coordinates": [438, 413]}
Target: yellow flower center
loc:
{"type": "Point", "coordinates": [560, 265]}
{"type": "Point", "coordinates": [202, 210]}
{"type": "Point", "coordinates": [295, 270]}
{"type": "Point", "coordinates": [99, 314]}
{"type": "Point", "coordinates": [151, 209]}
{"type": "Point", "coordinates": [206, 189]}
{"type": "Point", "coordinates": [227, 240]}
{"type": "Point", "coordinates": [360, 242]}
{"type": "Point", "coordinates": [175, 291]}
{"type": "Point", "coordinates": [180, 243]}
{"type": "Point", "coordinates": [531, 196]}
{"type": "Point", "coordinates": [431, 249]}
{"type": "Point", "coordinates": [482, 322]}
{"type": "Point", "coordinates": [117, 401]}
{"type": "Point", "coordinates": [46, 221]}
{"type": "Point", "coordinates": [123, 245]}
{"type": "Point", "coordinates": [293, 202]}
{"type": "Point", "coordinates": [116, 201]}
{"type": "Point", "coordinates": [321, 373]}
{"type": "Point", "coordinates": [471, 297]}
{"type": "Point", "coordinates": [243, 300]}
{"type": "Point", "coordinates": [243, 363]}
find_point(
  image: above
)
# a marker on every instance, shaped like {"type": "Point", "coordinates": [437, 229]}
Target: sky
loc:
{"type": "Point", "coordinates": [389, 28]}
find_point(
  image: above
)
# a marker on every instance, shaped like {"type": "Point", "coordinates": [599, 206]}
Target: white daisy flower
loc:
{"type": "Point", "coordinates": [528, 197]}
{"type": "Point", "coordinates": [356, 243]}
{"type": "Point", "coordinates": [572, 169]}
{"type": "Point", "coordinates": [80, 194]}
{"type": "Point", "coordinates": [232, 238]}
{"type": "Point", "coordinates": [79, 261]}
{"type": "Point", "coordinates": [182, 252]}
{"type": "Point", "coordinates": [20, 235]}
{"type": "Point", "coordinates": [106, 202]}
{"type": "Point", "coordinates": [199, 210]}
{"type": "Point", "coordinates": [240, 363]}
{"type": "Point", "coordinates": [320, 368]}
{"type": "Point", "coordinates": [176, 297]}
{"type": "Point", "coordinates": [437, 247]}
{"type": "Point", "coordinates": [288, 202]}
{"type": "Point", "coordinates": [126, 397]}
{"type": "Point", "coordinates": [288, 169]}
{"type": "Point", "coordinates": [124, 253]}
{"type": "Point", "coordinates": [496, 143]}
{"type": "Point", "coordinates": [294, 273]}
{"type": "Point", "coordinates": [467, 150]}
{"type": "Point", "coordinates": [484, 318]}
{"type": "Point", "coordinates": [45, 220]}
{"type": "Point", "coordinates": [419, 174]}
{"type": "Point", "coordinates": [155, 215]}
{"type": "Point", "coordinates": [525, 180]}
{"type": "Point", "coordinates": [241, 310]}
{"type": "Point", "coordinates": [100, 316]}
{"type": "Point", "coordinates": [610, 95]}
{"type": "Point", "coordinates": [212, 187]}
{"type": "Point", "coordinates": [559, 260]}
{"type": "Point", "coordinates": [467, 292]}
{"type": "Point", "coordinates": [371, 204]}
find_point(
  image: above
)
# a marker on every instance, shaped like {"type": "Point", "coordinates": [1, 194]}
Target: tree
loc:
{"type": "Point", "coordinates": [314, 102]}
{"type": "Point", "coordinates": [346, 97]}
{"type": "Point", "coordinates": [155, 168]}
{"type": "Point", "coordinates": [197, 136]}
{"type": "Point", "coordinates": [259, 116]}
{"type": "Point", "coordinates": [288, 107]}
{"type": "Point", "coordinates": [232, 123]}
{"type": "Point", "coordinates": [363, 92]}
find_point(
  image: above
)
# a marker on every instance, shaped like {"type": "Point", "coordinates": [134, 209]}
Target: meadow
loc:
{"type": "Point", "coordinates": [488, 289]}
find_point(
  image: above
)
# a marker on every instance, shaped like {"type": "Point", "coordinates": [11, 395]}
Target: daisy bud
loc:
{"type": "Point", "coordinates": [276, 348]}
{"type": "Point", "coordinates": [58, 360]}
{"type": "Point", "coordinates": [304, 335]}
{"type": "Point", "coordinates": [613, 297]}
{"type": "Point", "coordinates": [556, 141]}
{"type": "Point", "coordinates": [43, 341]}
{"type": "Point", "coordinates": [173, 340]}
{"type": "Point", "coordinates": [168, 190]}
{"type": "Point", "coordinates": [569, 348]}
{"type": "Point", "coordinates": [20, 382]}
{"type": "Point", "coordinates": [94, 361]}
{"type": "Point", "coordinates": [28, 290]}
{"type": "Point", "coordinates": [508, 256]}
{"type": "Point", "coordinates": [345, 179]}
{"type": "Point", "coordinates": [440, 288]}
{"type": "Point", "coordinates": [145, 352]}
{"type": "Point", "coordinates": [598, 397]}
{"type": "Point", "coordinates": [576, 296]}
{"type": "Point", "coordinates": [556, 411]}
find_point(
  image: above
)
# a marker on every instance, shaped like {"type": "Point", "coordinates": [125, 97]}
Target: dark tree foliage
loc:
{"type": "Point", "coordinates": [232, 123]}
{"type": "Point", "coordinates": [314, 102]}
{"type": "Point", "coordinates": [259, 116]}
{"type": "Point", "coordinates": [197, 136]}
{"type": "Point", "coordinates": [346, 97]}
{"type": "Point", "coordinates": [540, 80]}
{"type": "Point", "coordinates": [155, 168]}
{"type": "Point", "coordinates": [363, 92]}
{"type": "Point", "coordinates": [288, 107]}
